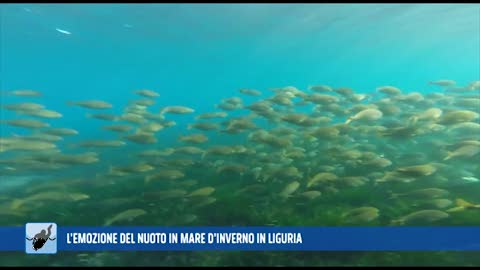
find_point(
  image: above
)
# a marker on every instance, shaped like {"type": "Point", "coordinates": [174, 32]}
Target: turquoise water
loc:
{"type": "Point", "coordinates": [195, 55]}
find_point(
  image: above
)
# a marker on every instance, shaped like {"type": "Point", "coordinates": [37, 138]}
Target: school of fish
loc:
{"type": "Point", "coordinates": [320, 156]}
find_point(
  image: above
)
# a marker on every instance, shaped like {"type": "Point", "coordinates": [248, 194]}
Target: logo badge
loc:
{"type": "Point", "coordinates": [41, 238]}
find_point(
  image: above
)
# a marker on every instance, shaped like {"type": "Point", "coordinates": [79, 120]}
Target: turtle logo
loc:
{"type": "Point", "coordinates": [38, 234]}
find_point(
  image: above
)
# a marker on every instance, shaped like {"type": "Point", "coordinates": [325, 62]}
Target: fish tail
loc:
{"type": "Point", "coordinates": [348, 120]}
{"type": "Point", "coordinates": [71, 103]}
{"type": "Point", "coordinates": [449, 156]}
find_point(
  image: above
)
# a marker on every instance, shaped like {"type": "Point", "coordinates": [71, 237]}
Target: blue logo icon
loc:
{"type": "Point", "coordinates": [41, 238]}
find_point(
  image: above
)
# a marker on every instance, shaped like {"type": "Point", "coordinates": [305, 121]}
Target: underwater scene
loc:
{"type": "Point", "coordinates": [240, 115]}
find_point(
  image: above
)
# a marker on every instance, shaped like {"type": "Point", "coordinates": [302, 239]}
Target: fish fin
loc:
{"type": "Point", "coordinates": [449, 156]}
{"type": "Point", "coordinates": [455, 209]}
{"type": "Point", "coordinates": [348, 120]}
{"type": "Point", "coordinates": [463, 203]}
